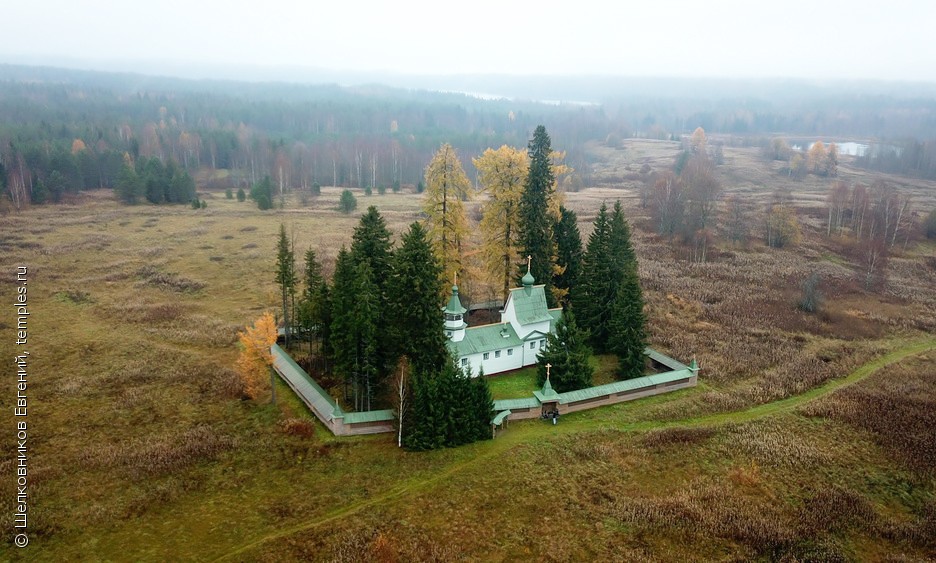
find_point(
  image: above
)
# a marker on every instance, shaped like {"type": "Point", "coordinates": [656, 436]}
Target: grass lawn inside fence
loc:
{"type": "Point", "coordinates": [521, 383]}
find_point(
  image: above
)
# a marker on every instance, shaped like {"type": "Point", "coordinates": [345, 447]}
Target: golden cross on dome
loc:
{"type": "Point", "coordinates": [547, 371]}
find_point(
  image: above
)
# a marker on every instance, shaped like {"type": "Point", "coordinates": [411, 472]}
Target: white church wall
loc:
{"type": "Point", "coordinates": [497, 361]}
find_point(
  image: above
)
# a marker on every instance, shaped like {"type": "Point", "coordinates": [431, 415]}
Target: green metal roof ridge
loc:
{"type": "Point", "coordinates": [368, 416]}
{"type": "Point", "coordinates": [275, 348]}
{"type": "Point", "coordinates": [625, 385]}
{"type": "Point", "coordinates": [521, 403]}
{"type": "Point", "coordinates": [664, 359]}
{"type": "Point", "coordinates": [500, 417]}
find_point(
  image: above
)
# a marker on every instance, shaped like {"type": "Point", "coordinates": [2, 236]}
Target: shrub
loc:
{"type": "Point", "coordinates": [811, 298]}
{"type": "Point", "coordinates": [929, 226]}
{"type": "Point", "coordinates": [228, 194]}
{"type": "Point", "coordinates": [348, 202]}
{"type": "Point", "coordinates": [382, 190]}
{"type": "Point", "coordinates": [241, 195]}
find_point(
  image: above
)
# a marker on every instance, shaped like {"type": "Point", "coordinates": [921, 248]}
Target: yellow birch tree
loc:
{"type": "Point", "coordinates": [816, 158]}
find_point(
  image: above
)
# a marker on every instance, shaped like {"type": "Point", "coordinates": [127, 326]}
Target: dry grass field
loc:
{"type": "Point", "coordinates": [809, 437]}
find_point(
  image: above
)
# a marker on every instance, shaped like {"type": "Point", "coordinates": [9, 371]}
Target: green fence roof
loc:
{"type": "Point", "coordinates": [500, 417]}
{"type": "Point", "coordinates": [516, 404]}
{"type": "Point", "coordinates": [368, 416]}
{"type": "Point", "coordinates": [626, 385]}
{"type": "Point", "coordinates": [298, 379]}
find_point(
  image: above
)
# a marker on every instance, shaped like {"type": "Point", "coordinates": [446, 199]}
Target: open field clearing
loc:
{"type": "Point", "coordinates": [810, 436]}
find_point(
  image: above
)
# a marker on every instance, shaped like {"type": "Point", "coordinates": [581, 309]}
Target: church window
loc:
{"type": "Point", "coordinates": [487, 355]}
{"type": "Point", "coordinates": [532, 345]}
{"type": "Point", "coordinates": [510, 351]}
{"type": "Point", "coordinates": [464, 362]}
{"type": "Point", "coordinates": [497, 353]}
{"type": "Point", "coordinates": [542, 343]}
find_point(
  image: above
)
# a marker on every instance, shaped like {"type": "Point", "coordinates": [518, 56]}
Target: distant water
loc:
{"type": "Point", "coordinates": [847, 147]}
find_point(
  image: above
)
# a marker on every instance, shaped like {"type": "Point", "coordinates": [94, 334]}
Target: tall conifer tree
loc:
{"type": "Point", "coordinates": [535, 224]}
{"type": "Point", "coordinates": [310, 314]}
{"type": "Point", "coordinates": [343, 342]}
{"type": "Point", "coordinates": [595, 289]}
{"type": "Point", "coordinates": [568, 254]}
{"type": "Point", "coordinates": [371, 245]}
{"type": "Point", "coordinates": [286, 278]}
{"type": "Point", "coordinates": [627, 335]}
{"type": "Point", "coordinates": [417, 327]}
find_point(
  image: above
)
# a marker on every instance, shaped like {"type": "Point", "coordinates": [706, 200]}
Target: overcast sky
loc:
{"type": "Point", "coordinates": [723, 38]}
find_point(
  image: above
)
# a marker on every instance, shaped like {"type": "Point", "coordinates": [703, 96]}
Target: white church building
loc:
{"type": "Point", "coordinates": [508, 345]}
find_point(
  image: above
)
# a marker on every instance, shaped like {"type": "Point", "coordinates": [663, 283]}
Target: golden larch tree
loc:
{"type": "Point", "coordinates": [253, 364]}
{"type": "Point", "coordinates": [502, 173]}
{"type": "Point", "coordinates": [447, 187]}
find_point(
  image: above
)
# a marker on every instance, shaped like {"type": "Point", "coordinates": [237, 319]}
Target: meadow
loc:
{"type": "Point", "coordinates": [809, 437]}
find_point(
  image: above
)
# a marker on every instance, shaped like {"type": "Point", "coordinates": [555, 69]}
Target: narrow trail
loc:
{"type": "Point", "coordinates": [510, 439]}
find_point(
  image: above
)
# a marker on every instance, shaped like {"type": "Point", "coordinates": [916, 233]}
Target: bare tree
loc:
{"type": "Point", "coordinates": [401, 384]}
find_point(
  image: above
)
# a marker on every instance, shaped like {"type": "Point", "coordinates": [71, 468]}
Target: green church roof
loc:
{"type": "Point", "coordinates": [530, 304]}
{"type": "Point", "coordinates": [454, 306]}
{"type": "Point", "coordinates": [486, 339]}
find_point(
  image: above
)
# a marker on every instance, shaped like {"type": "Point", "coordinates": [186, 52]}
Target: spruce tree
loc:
{"type": "Point", "coordinates": [626, 332]}
{"type": "Point", "coordinates": [622, 251]}
{"type": "Point", "coordinates": [343, 343]}
{"type": "Point", "coordinates": [129, 187]}
{"type": "Point", "coordinates": [154, 180]}
{"type": "Point", "coordinates": [452, 396]}
{"type": "Point", "coordinates": [286, 278]}
{"type": "Point", "coordinates": [369, 365]}
{"type": "Point", "coordinates": [627, 335]}
{"type": "Point", "coordinates": [482, 409]}
{"type": "Point", "coordinates": [568, 254]}
{"type": "Point", "coordinates": [413, 300]}
{"type": "Point", "coordinates": [596, 287]}
{"type": "Point", "coordinates": [39, 193]}
{"type": "Point", "coordinates": [424, 429]}
{"type": "Point", "coordinates": [262, 193]}
{"type": "Point", "coordinates": [447, 408]}
{"type": "Point", "coordinates": [309, 315]}
{"type": "Point", "coordinates": [371, 245]}
{"type": "Point", "coordinates": [567, 354]}
{"type": "Point", "coordinates": [535, 225]}
{"type": "Point", "coordinates": [347, 203]}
